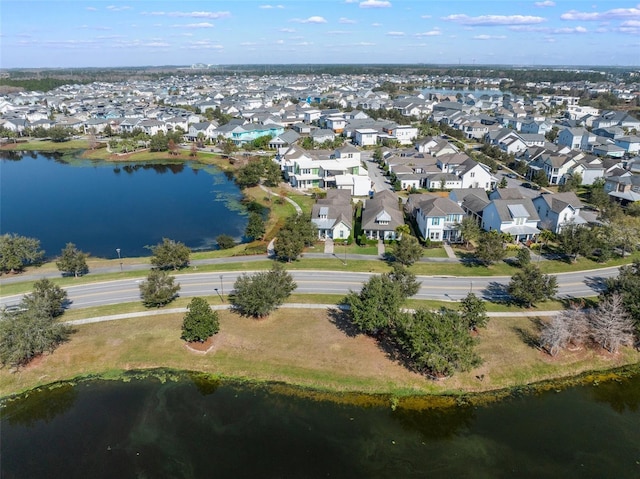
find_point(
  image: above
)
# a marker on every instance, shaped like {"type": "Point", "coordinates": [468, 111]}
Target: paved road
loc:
{"type": "Point", "coordinates": [380, 182]}
{"type": "Point", "coordinates": [432, 287]}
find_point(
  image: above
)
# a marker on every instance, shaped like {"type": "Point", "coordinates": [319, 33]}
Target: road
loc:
{"type": "Point", "coordinates": [445, 288]}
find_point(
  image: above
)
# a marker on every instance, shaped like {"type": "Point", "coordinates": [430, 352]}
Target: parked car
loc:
{"type": "Point", "coordinates": [526, 185]}
{"type": "Point", "coordinates": [512, 175]}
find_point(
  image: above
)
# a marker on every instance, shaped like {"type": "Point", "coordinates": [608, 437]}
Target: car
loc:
{"type": "Point", "coordinates": [527, 185]}
{"type": "Point", "coordinates": [535, 187]}
{"type": "Point", "coordinates": [512, 175]}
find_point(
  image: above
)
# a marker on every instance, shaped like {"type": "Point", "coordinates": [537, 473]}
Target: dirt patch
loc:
{"type": "Point", "coordinates": [202, 347]}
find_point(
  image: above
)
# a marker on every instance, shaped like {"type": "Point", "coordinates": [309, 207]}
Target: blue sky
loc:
{"type": "Point", "coordinates": [79, 33]}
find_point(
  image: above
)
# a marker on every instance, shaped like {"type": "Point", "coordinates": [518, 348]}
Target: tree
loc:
{"type": "Point", "coordinates": [255, 227]}
{"type": "Point", "coordinates": [72, 261]}
{"type": "Point", "coordinates": [272, 172]}
{"type": "Point", "coordinates": [228, 147]}
{"type": "Point", "coordinates": [298, 231]}
{"type": "Point", "coordinates": [575, 240]}
{"type": "Point", "coordinates": [611, 324]}
{"type": "Point", "coordinates": [159, 142]}
{"type": "Point", "coordinates": [597, 195]}
{"type": "Point", "coordinates": [540, 177]}
{"type": "Point", "coordinates": [47, 298]}
{"type": "Point", "coordinates": [159, 289]}
{"type": "Point", "coordinates": [438, 343]}
{"type": "Point", "coordinates": [503, 182]}
{"type": "Point", "coordinates": [377, 306]}
{"type": "Point", "coordinates": [259, 294]}
{"type": "Point", "coordinates": [200, 322]}
{"type": "Point", "coordinates": [490, 248]}
{"type": "Point", "coordinates": [474, 312]}
{"type": "Point", "coordinates": [571, 183]}
{"type": "Point", "coordinates": [625, 232]}
{"type": "Point", "coordinates": [469, 229]}
{"type": "Point", "coordinates": [16, 252]}
{"type": "Point", "coordinates": [172, 147]}
{"type": "Point", "coordinates": [59, 134]}
{"type": "Point", "coordinates": [225, 241]}
{"type": "Point", "coordinates": [27, 334]}
{"type": "Point", "coordinates": [405, 279]}
{"type": "Point", "coordinates": [627, 286]}
{"type": "Point", "coordinates": [529, 286]}
{"type": "Point", "coordinates": [407, 250]}
{"type": "Point", "coordinates": [250, 174]}
{"type": "Point", "coordinates": [523, 256]}
{"type": "Point", "coordinates": [170, 254]}
{"type": "Point", "coordinates": [570, 326]}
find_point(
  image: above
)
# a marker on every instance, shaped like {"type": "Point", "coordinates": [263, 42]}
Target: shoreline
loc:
{"type": "Point", "coordinates": [411, 401]}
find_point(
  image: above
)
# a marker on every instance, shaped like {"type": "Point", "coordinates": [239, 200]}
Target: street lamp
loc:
{"type": "Point", "coordinates": [345, 252]}
{"type": "Point", "coordinates": [221, 289]}
{"type": "Point", "coordinates": [218, 292]}
{"type": "Point", "coordinates": [119, 258]}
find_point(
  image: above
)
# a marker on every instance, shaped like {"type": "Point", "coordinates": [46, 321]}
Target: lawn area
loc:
{"type": "Point", "coordinates": [46, 145]}
{"type": "Point", "coordinates": [434, 253]}
{"type": "Point", "coordinates": [312, 348]}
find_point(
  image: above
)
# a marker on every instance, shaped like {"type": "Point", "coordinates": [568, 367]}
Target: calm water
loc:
{"type": "Point", "coordinates": [102, 206]}
{"type": "Point", "coordinates": [197, 429]}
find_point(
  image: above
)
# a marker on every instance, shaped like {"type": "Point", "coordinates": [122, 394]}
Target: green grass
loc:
{"type": "Point", "coordinates": [40, 145]}
{"type": "Point", "coordinates": [434, 253]}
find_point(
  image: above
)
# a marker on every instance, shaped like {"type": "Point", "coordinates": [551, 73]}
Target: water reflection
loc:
{"type": "Point", "coordinates": [40, 405]}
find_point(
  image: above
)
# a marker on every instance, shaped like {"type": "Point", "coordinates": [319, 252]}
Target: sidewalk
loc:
{"type": "Point", "coordinates": [218, 307]}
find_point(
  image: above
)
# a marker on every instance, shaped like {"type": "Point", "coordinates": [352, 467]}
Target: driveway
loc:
{"type": "Point", "coordinates": [380, 182]}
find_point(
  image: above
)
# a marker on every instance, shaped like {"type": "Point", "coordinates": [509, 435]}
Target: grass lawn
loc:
{"type": "Point", "coordinates": [40, 145]}
{"type": "Point", "coordinates": [434, 253]}
{"type": "Point", "coordinates": [310, 348]}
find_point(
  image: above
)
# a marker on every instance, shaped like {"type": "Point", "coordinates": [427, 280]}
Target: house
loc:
{"type": "Point", "coordinates": [476, 175]}
{"type": "Point", "coordinates": [437, 218]}
{"type": "Point", "coordinates": [366, 137]}
{"type": "Point", "coordinates": [630, 144]}
{"type": "Point", "coordinates": [516, 217]}
{"type": "Point", "coordinates": [558, 210]}
{"type": "Point", "coordinates": [625, 188]}
{"type": "Point", "coordinates": [571, 137]}
{"type": "Point", "coordinates": [381, 215]}
{"type": "Point", "coordinates": [333, 215]}
{"type": "Point", "coordinates": [283, 140]}
{"type": "Point", "coordinates": [321, 135]}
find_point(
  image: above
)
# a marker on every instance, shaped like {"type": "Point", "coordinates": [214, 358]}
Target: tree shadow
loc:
{"type": "Point", "coordinates": [528, 337]}
{"type": "Point", "coordinates": [392, 351]}
{"type": "Point", "coordinates": [596, 283]}
{"type": "Point", "coordinates": [469, 260]}
{"type": "Point", "coordinates": [497, 293]}
{"type": "Point", "coordinates": [339, 317]}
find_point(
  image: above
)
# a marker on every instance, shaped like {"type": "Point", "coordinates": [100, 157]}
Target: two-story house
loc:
{"type": "Point", "coordinates": [516, 217]}
{"type": "Point", "coordinates": [437, 218]}
{"type": "Point", "coordinates": [381, 215]}
{"type": "Point", "coordinates": [333, 215]}
{"type": "Point", "coordinates": [558, 210]}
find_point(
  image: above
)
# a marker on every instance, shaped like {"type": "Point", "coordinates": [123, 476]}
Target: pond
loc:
{"type": "Point", "coordinates": [101, 206]}
{"type": "Point", "coordinates": [197, 428]}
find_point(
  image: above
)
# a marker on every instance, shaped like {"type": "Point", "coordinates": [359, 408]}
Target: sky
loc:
{"type": "Point", "coordinates": [110, 33]}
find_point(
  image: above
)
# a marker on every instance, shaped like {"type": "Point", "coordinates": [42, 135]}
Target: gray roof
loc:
{"type": "Point", "coordinates": [383, 201]}
{"type": "Point", "coordinates": [524, 207]}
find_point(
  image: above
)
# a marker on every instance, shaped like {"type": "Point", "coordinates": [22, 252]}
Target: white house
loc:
{"type": "Point", "coordinates": [366, 137]}
{"type": "Point", "coordinates": [437, 218]}
{"type": "Point", "coordinates": [558, 210]}
{"type": "Point", "coordinates": [333, 215]}
{"type": "Point", "coordinates": [517, 217]}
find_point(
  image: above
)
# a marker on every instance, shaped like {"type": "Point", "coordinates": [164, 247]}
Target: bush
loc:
{"type": "Point", "coordinates": [200, 322]}
{"type": "Point", "coordinates": [225, 241]}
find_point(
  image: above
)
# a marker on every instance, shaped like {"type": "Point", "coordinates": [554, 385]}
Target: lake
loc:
{"type": "Point", "coordinates": [101, 206]}
{"type": "Point", "coordinates": [197, 428]}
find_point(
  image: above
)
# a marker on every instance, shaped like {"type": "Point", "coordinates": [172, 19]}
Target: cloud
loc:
{"type": "Point", "coordinates": [425, 16]}
{"type": "Point", "coordinates": [209, 15]}
{"type": "Point", "coordinates": [115, 8]}
{"type": "Point", "coordinates": [195, 25]}
{"type": "Point", "coordinates": [375, 4]}
{"type": "Point", "coordinates": [204, 44]}
{"type": "Point", "coordinates": [546, 3]}
{"type": "Point", "coordinates": [395, 34]}
{"type": "Point", "coordinates": [91, 9]}
{"type": "Point", "coordinates": [489, 20]}
{"type": "Point", "coordinates": [376, 24]}
{"type": "Point", "coordinates": [346, 20]}
{"type": "Point", "coordinates": [314, 19]}
{"type": "Point", "coordinates": [248, 44]}
{"type": "Point", "coordinates": [489, 37]}
{"type": "Point", "coordinates": [287, 30]}
{"type": "Point", "coordinates": [568, 31]}
{"type": "Point", "coordinates": [364, 44]}
{"type": "Point", "coordinates": [339, 32]}
{"type": "Point", "coordinates": [432, 33]}
{"type": "Point", "coordinates": [269, 7]}
{"type": "Point", "coordinates": [614, 14]}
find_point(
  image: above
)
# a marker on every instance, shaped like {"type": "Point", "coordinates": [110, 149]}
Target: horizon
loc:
{"type": "Point", "coordinates": [154, 34]}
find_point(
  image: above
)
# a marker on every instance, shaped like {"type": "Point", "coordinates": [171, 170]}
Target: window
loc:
{"type": "Point", "coordinates": [435, 221]}
{"type": "Point", "coordinates": [341, 233]}
{"type": "Point", "coordinates": [434, 236]}
{"type": "Point", "coordinates": [472, 174]}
